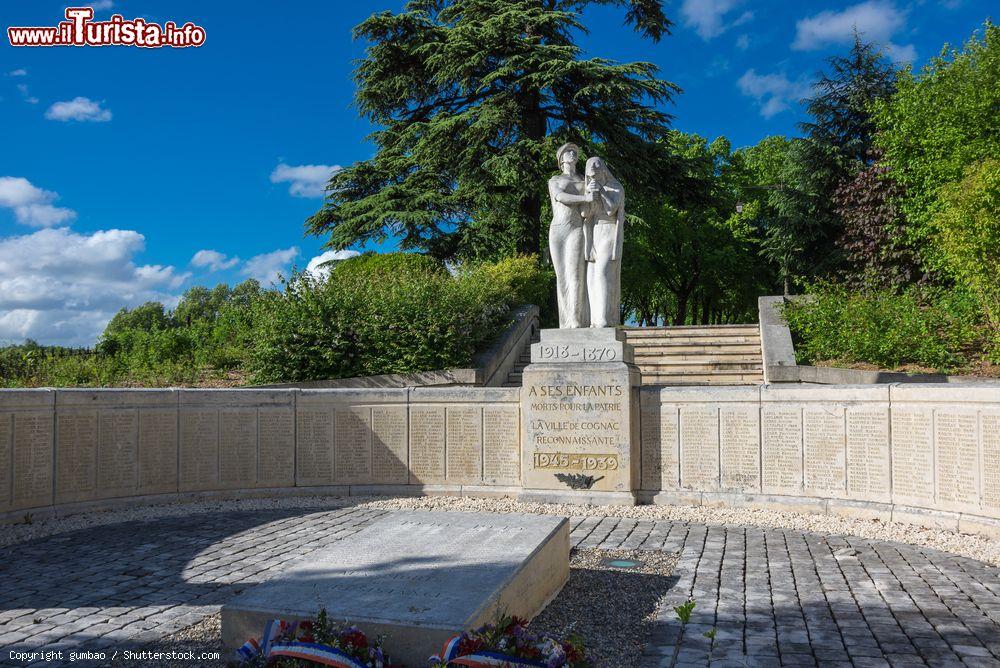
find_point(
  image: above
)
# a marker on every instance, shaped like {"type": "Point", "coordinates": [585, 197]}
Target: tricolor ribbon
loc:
{"type": "Point", "coordinates": [450, 657]}
{"type": "Point", "coordinates": [321, 654]}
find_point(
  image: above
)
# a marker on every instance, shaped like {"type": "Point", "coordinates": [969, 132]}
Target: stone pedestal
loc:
{"type": "Point", "coordinates": [579, 402]}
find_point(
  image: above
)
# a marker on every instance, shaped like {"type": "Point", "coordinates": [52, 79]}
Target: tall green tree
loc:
{"type": "Point", "coordinates": [471, 98]}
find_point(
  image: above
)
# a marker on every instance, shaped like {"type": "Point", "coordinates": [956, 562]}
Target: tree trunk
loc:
{"type": "Point", "coordinates": [533, 125]}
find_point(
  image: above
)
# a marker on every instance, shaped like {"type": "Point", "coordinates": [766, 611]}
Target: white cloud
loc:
{"type": "Point", "coordinates": [267, 266]}
{"type": "Point", "coordinates": [214, 260]}
{"type": "Point", "coordinates": [306, 180]}
{"type": "Point", "coordinates": [774, 93]}
{"type": "Point", "coordinates": [905, 53]}
{"type": "Point", "coordinates": [743, 42]}
{"type": "Point", "coordinates": [61, 287]}
{"type": "Point", "coordinates": [99, 5]}
{"type": "Point", "coordinates": [32, 205]}
{"type": "Point", "coordinates": [316, 268]}
{"type": "Point", "coordinates": [708, 17]}
{"type": "Point", "coordinates": [78, 109]}
{"type": "Point", "coordinates": [876, 20]}
{"type": "Point", "coordinates": [26, 94]}
{"type": "Point", "coordinates": [20, 72]}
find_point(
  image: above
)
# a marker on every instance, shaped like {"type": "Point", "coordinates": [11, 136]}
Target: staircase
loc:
{"type": "Point", "coordinates": [514, 377]}
{"type": "Point", "coordinates": [697, 355]}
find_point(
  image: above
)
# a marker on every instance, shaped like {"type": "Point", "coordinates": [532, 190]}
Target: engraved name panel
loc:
{"type": "Point", "coordinates": [33, 452]}
{"type": "Point", "coordinates": [781, 450]}
{"type": "Point", "coordinates": [199, 449]}
{"type": "Point", "coordinates": [699, 448]}
{"type": "Point", "coordinates": [76, 456]}
{"type": "Point", "coordinates": [955, 436]}
{"type": "Point", "coordinates": [117, 456]}
{"type": "Point", "coordinates": [912, 456]}
{"type": "Point", "coordinates": [6, 446]}
{"type": "Point", "coordinates": [389, 445]}
{"type": "Point", "coordinates": [354, 446]}
{"type": "Point", "coordinates": [740, 447]}
{"type": "Point", "coordinates": [427, 443]}
{"type": "Point", "coordinates": [157, 451]}
{"type": "Point", "coordinates": [989, 429]}
{"type": "Point", "coordinates": [465, 444]}
{"type": "Point", "coordinates": [314, 445]}
{"type": "Point", "coordinates": [501, 447]}
{"type": "Point", "coordinates": [238, 447]}
{"type": "Point", "coordinates": [276, 434]}
{"type": "Point", "coordinates": [659, 430]}
{"type": "Point", "coordinates": [825, 451]}
{"type": "Point", "coordinates": [868, 465]}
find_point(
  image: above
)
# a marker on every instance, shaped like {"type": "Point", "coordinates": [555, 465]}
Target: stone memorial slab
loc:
{"type": "Point", "coordinates": [989, 429]}
{"type": "Point", "coordinates": [824, 447]}
{"type": "Point", "coordinates": [353, 438]}
{"type": "Point", "coordinates": [699, 425]}
{"type": "Point", "coordinates": [868, 455]}
{"type": "Point", "coordinates": [237, 448]}
{"type": "Point", "coordinates": [578, 416]}
{"type": "Point", "coordinates": [416, 577]}
{"type": "Point", "coordinates": [276, 458]}
{"type": "Point", "coordinates": [6, 445]}
{"type": "Point", "coordinates": [660, 447]}
{"type": "Point", "coordinates": [465, 445]}
{"type": "Point", "coordinates": [314, 445]}
{"type": "Point", "coordinates": [158, 437]}
{"type": "Point", "coordinates": [739, 447]}
{"type": "Point", "coordinates": [117, 453]}
{"type": "Point", "coordinates": [389, 445]}
{"type": "Point", "coordinates": [76, 455]}
{"type": "Point", "coordinates": [33, 455]}
{"type": "Point", "coordinates": [427, 444]}
{"type": "Point", "coordinates": [199, 449]}
{"type": "Point", "coordinates": [501, 445]}
{"type": "Point", "coordinates": [781, 449]}
{"type": "Point", "coordinates": [912, 455]}
{"type": "Point", "coordinates": [957, 456]}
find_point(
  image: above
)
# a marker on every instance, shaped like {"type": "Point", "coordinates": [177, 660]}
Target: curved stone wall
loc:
{"type": "Point", "coordinates": [926, 454]}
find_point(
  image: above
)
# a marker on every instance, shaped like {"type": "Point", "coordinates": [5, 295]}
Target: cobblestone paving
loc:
{"type": "Point", "coordinates": [774, 597]}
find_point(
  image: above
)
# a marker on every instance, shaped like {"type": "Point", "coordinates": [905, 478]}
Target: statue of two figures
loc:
{"type": "Point", "coordinates": [585, 240]}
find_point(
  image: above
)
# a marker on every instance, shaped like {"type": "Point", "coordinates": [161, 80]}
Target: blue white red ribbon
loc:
{"type": "Point", "coordinates": [327, 656]}
{"type": "Point", "coordinates": [450, 657]}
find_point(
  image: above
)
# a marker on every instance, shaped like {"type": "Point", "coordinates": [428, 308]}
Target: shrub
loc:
{"type": "Point", "coordinates": [940, 329]}
{"type": "Point", "coordinates": [395, 313]}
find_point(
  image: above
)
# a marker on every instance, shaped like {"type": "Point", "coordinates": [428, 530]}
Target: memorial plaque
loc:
{"type": "Point", "coordinates": [700, 448]}
{"type": "Point", "coordinates": [824, 440]}
{"type": "Point", "coordinates": [157, 451]}
{"type": "Point", "coordinates": [868, 464]}
{"type": "Point", "coordinates": [417, 578]}
{"type": "Point", "coordinates": [33, 452]}
{"type": "Point", "coordinates": [989, 425]}
{"type": "Point", "coordinates": [501, 448]}
{"type": "Point", "coordinates": [314, 445]}
{"type": "Point", "coordinates": [660, 446]}
{"type": "Point", "coordinates": [957, 456]}
{"type": "Point", "coordinates": [739, 447]}
{"type": "Point", "coordinates": [199, 449]}
{"type": "Point", "coordinates": [117, 456]}
{"type": "Point", "coordinates": [6, 445]}
{"type": "Point", "coordinates": [427, 444]}
{"type": "Point", "coordinates": [465, 445]}
{"type": "Point", "coordinates": [912, 456]}
{"type": "Point", "coordinates": [781, 450]}
{"type": "Point", "coordinates": [354, 446]}
{"type": "Point", "coordinates": [76, 456]}
{"type": "Point", "coordinates": [237, 448]}
{"type": "Point", "coordinates": [389, 445]}
{"type": "Point", "coordinates": [276, 462]}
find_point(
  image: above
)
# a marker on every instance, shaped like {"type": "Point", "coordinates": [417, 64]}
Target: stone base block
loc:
{"type": "Point", "coordinates": [417, 578]}
{"type": "Point", "coordinates": [577, 497]}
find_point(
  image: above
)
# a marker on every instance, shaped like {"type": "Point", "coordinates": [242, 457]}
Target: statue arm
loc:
{"type": "Point", "coordinates": [612, 199]}
{"type": "Point", "coordinates": [563, 197]}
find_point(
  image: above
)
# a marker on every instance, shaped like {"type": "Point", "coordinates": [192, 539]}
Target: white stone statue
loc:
{"type": "Point", "coordinates": [604, 222]}
{"type": "Point", "coordinates": [566, 238]}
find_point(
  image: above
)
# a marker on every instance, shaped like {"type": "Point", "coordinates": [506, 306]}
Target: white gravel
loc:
{"type": "Point", "coordinates": [975, 547]}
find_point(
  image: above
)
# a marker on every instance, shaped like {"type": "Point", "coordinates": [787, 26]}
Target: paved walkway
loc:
{"type": "Point", "coordinates": [774, 597]}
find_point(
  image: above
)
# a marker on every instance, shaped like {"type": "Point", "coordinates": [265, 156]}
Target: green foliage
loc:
{"type": "Point", "coordinates": [968, 230]}
{"type": "Point", "coordinates": [931, 328]}
{"type": "Point", "coordinates": [385, 314]}
{"type": "Point", "coordinates": [471, 99]}
{"type": "Point", "coordinates": [939, 122]}
{"type": "Point", "coordinates": [684, 610]}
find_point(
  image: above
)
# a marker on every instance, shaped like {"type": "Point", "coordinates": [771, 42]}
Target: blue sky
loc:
{"type": "Point", "coordinates": [130, 174]}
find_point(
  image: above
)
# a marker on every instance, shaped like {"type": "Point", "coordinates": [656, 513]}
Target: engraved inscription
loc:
{"type": "Point", "coordinates": [868, 454]}
{"type": "Point", "coordinates": [825, 450]}
{"type": "Point", "coordinates": [572, 353]}
{"type": "Point", "coordinates": [118, 453]}
{"type": "Point", "coordinates": [276, 435]}
{"type": "Point", "coordinates": [781, 450]}
{"type": "Point", "coordinates": [990, 429]}
{"type": "Point", "coordinates": [957, 458]}
{"type": "Point", "coordinates": [76, 456]}
{"type": "Point", "coordinates": [427, 444]}
{"type": "Point", "coordinates": [389, 452]}
{"type": "Point", "coordinates": [354, 446]}
{"type": "Point", "coordinates": [465, 444]}
{"type": "Point", "coordinates": [912, 456]}
{"type": "Point", "coordinates": [501, 451]}
{"type": "Point", "coordinates": [157, 451]}
{"type": "Point", "coordinates": [699, 448]}
{"type": "Point", "coordinates": [739, 445]}
{"type": "Point", "coordinates": [573, 461]}
{"type": "Point", "coordinates": [6, 444]}
{"type": "Point", "coordinates": [238, 447]}
{"type": "Point", "coordinates": [32, 459]}
{"type": "Point", "coordinates": [199, 451]}
{"type": "Point", "coordinates": [314, 444]}
{"type": "Point", "coordinates": [659, 433]}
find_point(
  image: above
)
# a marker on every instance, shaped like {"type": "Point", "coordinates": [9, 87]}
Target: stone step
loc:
{"type": "Point", "coordinates": [693, 378]}
{"type": "Point", "coordinates": [698, 356]}
{"type": "Point", "coordinates": [707, 331]}
{"type": "Point", "coordinates": [694, 340]}
{"type": "Point", "coordinates": [711, 367]}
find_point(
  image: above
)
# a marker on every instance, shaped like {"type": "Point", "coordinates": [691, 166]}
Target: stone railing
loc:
{"type": "Point", "coordinates": [925, 454]}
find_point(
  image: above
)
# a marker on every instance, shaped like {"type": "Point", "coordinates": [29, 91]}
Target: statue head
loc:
{"type": "Point", "coordinates": [568, 152]}
{"type": "Point", "coordinates": [597, 170]}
